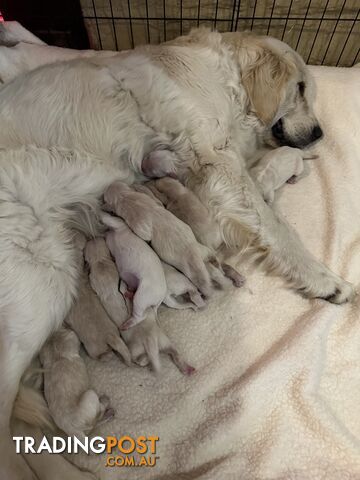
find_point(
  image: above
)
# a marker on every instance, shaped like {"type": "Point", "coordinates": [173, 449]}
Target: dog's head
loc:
{"type": "Point", "coordinates": [279, 88]}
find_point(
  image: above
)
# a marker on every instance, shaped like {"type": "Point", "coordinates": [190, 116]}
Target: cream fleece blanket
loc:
{"type": "Point", "coordinates": [277, 389]}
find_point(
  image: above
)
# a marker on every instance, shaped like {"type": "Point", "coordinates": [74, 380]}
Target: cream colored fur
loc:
{"type": "Point", "coordinates": [194, 95]}
{"type": "Point", "coordinates": [42, 193]}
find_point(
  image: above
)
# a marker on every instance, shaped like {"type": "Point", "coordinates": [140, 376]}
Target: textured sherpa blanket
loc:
{"type": "Point", "coordinates": [277, 388]}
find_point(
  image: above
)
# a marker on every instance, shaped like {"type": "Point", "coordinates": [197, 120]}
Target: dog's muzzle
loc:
{"type": "Point", "coordinates": [301, 142]}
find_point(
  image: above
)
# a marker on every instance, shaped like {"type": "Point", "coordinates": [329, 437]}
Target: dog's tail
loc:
{"type": "Point", "coordinates": [31, 407]}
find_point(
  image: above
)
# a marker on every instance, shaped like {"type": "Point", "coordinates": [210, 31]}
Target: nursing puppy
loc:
{"type": "Point", "coordinates": [147, 189]}
{"type": "Point", "coordinates": [73, 404]}
{"type": "Point", "coordinates": [104, 280]}
{"type": "Point", "coordinates": [171, 239]}
{"type": "Point", "coordinates": [180, 293]}
{"type": "Point", "coordinates": [139, 267]}
{"type": "Point", "coordinates": [146, 341]}
{"type": "Point", "coordinates": [186, 206]}
{"type": "Point", "coordinates": [278, 167]}
{"type": "Point", "coordinates": [88, 318]}
{"type": "Point", "coordinates": [94, 328]}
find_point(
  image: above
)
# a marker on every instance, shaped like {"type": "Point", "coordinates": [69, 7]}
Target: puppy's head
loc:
{"type": "Point", "coordinates": [169, 187]}
{"type": "Point", "coordinates": [63, 344]}
{"type": "Point", "coordinates": [96, 250]}
{"type": "Point", "coordinates": [113, 193]}
{"type": "Point", "coordinates": [279, 88]}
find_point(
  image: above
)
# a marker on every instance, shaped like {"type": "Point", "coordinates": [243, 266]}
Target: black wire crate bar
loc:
{"type": "Point", "coordinates": [324, 32]}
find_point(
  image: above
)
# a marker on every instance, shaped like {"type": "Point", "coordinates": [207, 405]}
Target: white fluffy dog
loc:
{"type": "Point", "coordinates": [213, 99]}
{"type": "Point", "coordinates": [42, 195]}
{"type": "Point", "coordinates": [161, 96]}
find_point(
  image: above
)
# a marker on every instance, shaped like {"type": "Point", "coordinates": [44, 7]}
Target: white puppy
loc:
{"type": "Point", "coordinates": [184, 204]}
{"type": "Point", "coordinates": [139, 267]}
{"type": "Point", "coordinates": [88, 318]}
{"type": "Point", "coordinates": [146, 340]}
{"type": "Point", "coordinates": [146, 188]}
{"type": "Point", "coordinates": [90, 321]}
{"type": "Point", "coordinates": [171, 238]}
{"type": "Point", "coordinates": [278, 167]}
{"type": "Point", "coordinates": [74, 405]}
{"type": "Point", "coordinates": [180, 286]}
{"type": "Point", "coordinates": [104, 280]}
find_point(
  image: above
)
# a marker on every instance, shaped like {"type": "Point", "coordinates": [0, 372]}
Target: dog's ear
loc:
{"type": "Point", "coordinates": [264, 78]}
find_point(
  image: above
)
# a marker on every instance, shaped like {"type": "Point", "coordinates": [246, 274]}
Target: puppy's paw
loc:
{"type": "Point", "coordinates": [292, 180]}
{"type": "Point", "coordinates": [106, 357]}
{"type": "Point", "coordinates": [236, 277]}
{"type": "Point", "coordinates": [141, 360]}
{"type": "Point", "coordinates": [190, 370]}
{"type": "Point", "coordinates": [131, 322]}
{"type": "Point", "coordinates": [109, 414]}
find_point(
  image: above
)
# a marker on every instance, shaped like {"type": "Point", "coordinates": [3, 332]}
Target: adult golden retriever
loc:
{"type": "Point", "coordinates": [213, 99]}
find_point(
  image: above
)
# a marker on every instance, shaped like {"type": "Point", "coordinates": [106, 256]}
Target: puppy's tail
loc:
{"type": "Point", "coordinates": [31, 407]}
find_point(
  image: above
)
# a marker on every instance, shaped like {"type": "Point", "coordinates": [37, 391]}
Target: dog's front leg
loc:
{"type": "Point", "coordinates": [245, 219]}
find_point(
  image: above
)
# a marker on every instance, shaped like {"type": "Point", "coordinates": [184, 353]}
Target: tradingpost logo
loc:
{"type": "Point", "coordinates": [125, 451]}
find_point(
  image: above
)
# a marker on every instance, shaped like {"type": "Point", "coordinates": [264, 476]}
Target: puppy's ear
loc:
{"type": "Point", "coordinates": [264, 80]}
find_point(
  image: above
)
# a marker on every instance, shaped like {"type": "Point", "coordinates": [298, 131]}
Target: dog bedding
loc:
{"type": "Point", "coordinates": [276, 389]}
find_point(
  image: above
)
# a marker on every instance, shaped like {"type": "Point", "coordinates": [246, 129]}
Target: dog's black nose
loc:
{"type": "Point", "coordinates": [278, 130]}
{"type": "Point", "coordinates": [316, 133]}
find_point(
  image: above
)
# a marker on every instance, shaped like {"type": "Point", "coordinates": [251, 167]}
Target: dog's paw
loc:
{"type": "Point", "coordinates": [320, 282]}
{"type": "Point", "coordinates": [344, 292]}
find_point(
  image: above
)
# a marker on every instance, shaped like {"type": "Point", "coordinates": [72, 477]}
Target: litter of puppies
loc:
{"type": "Point", "coordinates": [158, 249]}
